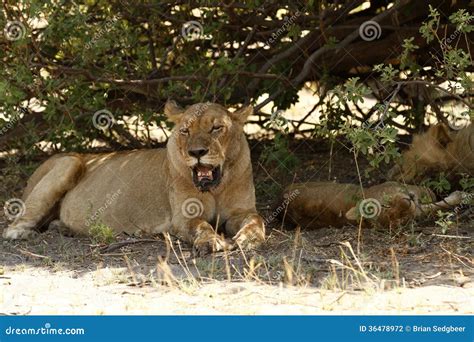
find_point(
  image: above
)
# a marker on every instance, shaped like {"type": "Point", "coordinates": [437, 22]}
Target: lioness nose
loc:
{"type": "Point", "coordinates": [198, 152]}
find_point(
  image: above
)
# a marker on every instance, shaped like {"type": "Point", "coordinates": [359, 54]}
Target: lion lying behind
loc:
{"type": "Point", "coordinates": [203, 177]}
{"type": "Point", "coordinates": [322, 204]}
{"type": "Point", "coordinates": [435, 151]}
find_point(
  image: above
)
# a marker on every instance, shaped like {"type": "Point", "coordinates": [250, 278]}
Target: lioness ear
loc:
{"type": "Point", "coordinates": [351, 214]}
{"type": "Point", "coordinates": [173, 111]}
{"type": "Point", "coordinates": [242, 114]}
{"type": "Point", "coordinates": [394, 172]}
{"type": "Point", "coordinates": [441, 133]}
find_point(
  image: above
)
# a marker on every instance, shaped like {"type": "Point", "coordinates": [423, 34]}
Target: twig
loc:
{"type": "Point", "coordinates": [239, 53]}
{"type": "Point", "coordinates": [458, 257]}
{"type": "Point", "coordinates": [114, 246]}
{"type": "Point", "coordinates": [470, 105]}
{"type": "Point", "coordinates": [130, 269]}
{"type": "Point", "coordinates": [453, 236]}
{"type": "Point", "coordinates": [436, 275]}
{"type": "Point", "coordinates": [34, 255]}
{"type": "Point", "coordinates": [308, 65]}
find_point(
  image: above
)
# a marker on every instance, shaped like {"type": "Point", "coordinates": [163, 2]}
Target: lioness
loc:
{"type": "Point", "coordinates": [322, 204]}
{"type": "Point", "coordinates": [435, 151]}
{"type": "Point", "coordinates": [204, 175]}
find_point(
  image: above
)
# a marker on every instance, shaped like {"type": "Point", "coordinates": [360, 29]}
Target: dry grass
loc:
{"type": "Point", "coordinates": [313, 271]}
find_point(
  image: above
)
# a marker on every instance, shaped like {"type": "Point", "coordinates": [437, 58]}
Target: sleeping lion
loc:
{"type": "Point", "coordinates": [203, 176]}
{"type": "Point", "coordinates": [435, 151]}
{"type": "Point", "coordinates": [386, 205]}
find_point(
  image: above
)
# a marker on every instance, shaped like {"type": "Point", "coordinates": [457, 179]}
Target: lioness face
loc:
{"type": "Point", "coordinates": [426, 156]}
{"type": "Point", "coordinates": [202, 135]}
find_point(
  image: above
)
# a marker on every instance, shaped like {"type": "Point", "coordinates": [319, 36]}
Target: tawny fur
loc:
{"type": "Point", "coordinates": [145, 190]}
{"type": "Point", "coordinates": [437, 150]}
{"type": "Point", "coordinates": [323, 204]}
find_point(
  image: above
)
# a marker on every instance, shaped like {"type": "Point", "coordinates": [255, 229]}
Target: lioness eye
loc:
{"type": "Point", "coordinates": [216, 128]}
{"type": "Point", "coordinates": [184, 131]}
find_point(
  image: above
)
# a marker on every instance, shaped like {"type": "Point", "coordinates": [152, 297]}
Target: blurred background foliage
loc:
{"type": "Point", "coordinates": [62, 61]}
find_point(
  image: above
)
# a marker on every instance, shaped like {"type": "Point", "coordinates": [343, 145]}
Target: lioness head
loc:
{"type": "Point", "coordinates": [205, 140]}
{"type": "Point", "coordinates": [427, 155]}
{"type": "Point", "coordinates": [386, 209]}
{"type": "Point", "coordinates": [390, 203]}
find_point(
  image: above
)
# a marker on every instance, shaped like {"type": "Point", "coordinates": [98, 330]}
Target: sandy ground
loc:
{"type": "Point", "coordinates": [418, 269]}
{"type": "Point", "coordinates": [39, 291]}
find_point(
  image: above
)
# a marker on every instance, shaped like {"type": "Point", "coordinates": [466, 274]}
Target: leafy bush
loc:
{"type": "Point", "coordinates": [78, 74]}
{"type": "Point", "coordinates": [101, 233]}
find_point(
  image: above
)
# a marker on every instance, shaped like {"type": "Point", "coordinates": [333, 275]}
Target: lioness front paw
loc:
{"type": "Point", "coordinates": [19, 232]}
{"type": "Point", "coordinates": [207, 241]}
{"type": "Point", "coordinates": [250, 236]}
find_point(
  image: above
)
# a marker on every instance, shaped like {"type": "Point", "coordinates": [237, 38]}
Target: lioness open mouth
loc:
{"type": "Point", "coordinates": [206, 177]}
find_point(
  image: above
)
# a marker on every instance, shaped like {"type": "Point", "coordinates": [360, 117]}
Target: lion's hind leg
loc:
{"type": "Point", "coordinates": [56, 176]}
{"type": "Point", "coordinates": [60, 227]}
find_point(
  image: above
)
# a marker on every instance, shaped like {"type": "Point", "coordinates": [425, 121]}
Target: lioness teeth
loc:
{"type": "Point", "coordinates": [205, 173]}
